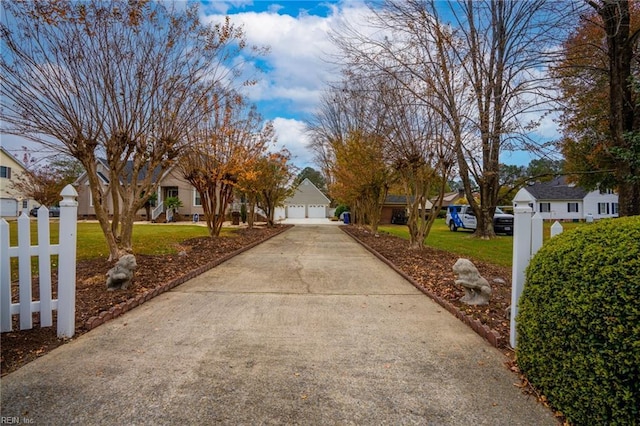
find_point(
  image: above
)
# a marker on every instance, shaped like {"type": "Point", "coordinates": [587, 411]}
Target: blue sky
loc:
{"type": "Point", "coordinates": [297, 32]}
{"type": "Point", "coordinates": [297, 70]}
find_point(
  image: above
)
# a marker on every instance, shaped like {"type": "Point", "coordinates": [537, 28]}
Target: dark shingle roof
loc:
{"type": "Point", "coordinates": [396, 199]}
{"type": "Point", "coordinates": [128, 171]}
{"type": "Point", "coordinates": [556, 189]}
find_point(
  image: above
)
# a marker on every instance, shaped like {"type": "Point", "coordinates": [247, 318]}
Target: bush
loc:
{"type": "Point", "coordinates": [579, 323]}
{"type": "Point", "coordinates": [340, 209]}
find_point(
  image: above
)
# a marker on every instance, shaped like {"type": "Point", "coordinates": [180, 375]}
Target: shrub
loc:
{"type": "Point", "coordinates": [340, 209]}
{"type": "Point", "coordinates": [579, 323]}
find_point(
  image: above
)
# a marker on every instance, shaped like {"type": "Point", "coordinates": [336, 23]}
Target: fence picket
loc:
{"type": "Point", "coordinates": [24, 271]}
{"type": "Point", "coordinates": [44, 270]}
{"type": "Point", "coordinates": [5, 278]}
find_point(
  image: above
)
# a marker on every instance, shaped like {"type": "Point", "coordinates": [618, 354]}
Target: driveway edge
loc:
{"type": "Point", "coordinates": [131, 303]}
{"type": "Point", "coordinates": [493, 337]}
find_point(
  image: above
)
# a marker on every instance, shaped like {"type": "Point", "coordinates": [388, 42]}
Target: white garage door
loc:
{"type": "Point", "coordinates": [8, 207]}
{"type": "Point", "coordinates": [317, 212]}
{"type": "Point", "coordinates": [295, 212]}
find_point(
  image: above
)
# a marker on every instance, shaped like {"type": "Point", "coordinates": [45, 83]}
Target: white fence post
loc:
{"type": "Point", "coordinates": [67, 262]}
{"type": "Point", "coordinates": [521, 255]}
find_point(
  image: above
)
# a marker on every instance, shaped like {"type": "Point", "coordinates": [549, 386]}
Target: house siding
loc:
{"type": "Point", "coordinates": [559, 208]}
{"type": "Point", "coordinates": [7, 192]}
{"type": "Point", "coordinates": [171, 179]}
{"type": "Point", "coordinates": [307, 197]}
{"type": "Point", "coordinates": [592, 200]}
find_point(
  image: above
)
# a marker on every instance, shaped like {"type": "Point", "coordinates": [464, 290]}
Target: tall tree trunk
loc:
{"type": "Point", "coordinates": [101, 214]}
{"type": "Point", "coordinates": [622, 106]}
{"type": "Point", "coordinates": [251, 212]}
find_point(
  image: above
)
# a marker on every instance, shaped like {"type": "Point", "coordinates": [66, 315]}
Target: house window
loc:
{"type": "Point", "coordinates": [614, 208]}
{"type": "Point", "coordinates": [603, 208]}
{"type": "Point", "coordinates": [545, 207]}
{"type": "Point", "coordinates": [172, 192]}
{"type": "Point", "coordinates": [196, 198]}
{"type": "Point", "coordinates": [25, 204]}
{"type": "Point", "coordinates": [572, 207]}
{"type": "Point", "coordinates": [91, 198]}
{"type": "Point", "coordinates": [5, 172]}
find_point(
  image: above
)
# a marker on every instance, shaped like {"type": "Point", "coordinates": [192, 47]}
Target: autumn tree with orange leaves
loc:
{"type": "Point", "coordinates": [223, 146]}
{"type": "Point", "coordinates": [267, 183]}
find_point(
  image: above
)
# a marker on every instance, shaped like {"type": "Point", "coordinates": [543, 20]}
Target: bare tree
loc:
{"type": "Point", "coordinates": [422, 156]}
{"type": "Point", "coordinates": [119, 80]}
{"type": "Point", "coordinates": [481, 61]}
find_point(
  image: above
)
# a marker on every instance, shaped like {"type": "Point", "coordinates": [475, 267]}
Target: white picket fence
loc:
{"type": "Point", "coordinates": [527, 240]}
{"type": "Point", "coordinates": [65, 304]}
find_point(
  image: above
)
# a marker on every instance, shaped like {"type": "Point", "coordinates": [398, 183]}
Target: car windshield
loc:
{"type": "Point", "coordinates": [499, 211]}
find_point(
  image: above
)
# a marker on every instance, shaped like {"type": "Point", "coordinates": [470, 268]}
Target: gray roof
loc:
{"type": "Point", "coordinates": [557, 189]}
{"type": "Point", "coordinates": [396, 199]}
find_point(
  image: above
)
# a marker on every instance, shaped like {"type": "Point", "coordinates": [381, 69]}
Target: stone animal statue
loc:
{"type": "Point", "coordinates": [119, 277]}
{"type": "Point", "coordinates": [476, 288]}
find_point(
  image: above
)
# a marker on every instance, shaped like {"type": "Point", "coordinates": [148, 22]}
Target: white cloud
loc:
{"type": "Point", "coordinates": [291, 135]}
{"type": "Point", "coordinates": [297, 65]}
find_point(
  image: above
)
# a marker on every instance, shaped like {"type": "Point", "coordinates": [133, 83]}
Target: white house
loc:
{"type": "Point", "coordinates": [307, 202]}
{"type": "Point", "coordinates": [12, 201]}
{"type": "Point", "coordinates": [559, 200]}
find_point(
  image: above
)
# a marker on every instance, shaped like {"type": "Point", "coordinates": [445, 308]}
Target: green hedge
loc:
{"type": "Point", "coordinates": [579, 323]}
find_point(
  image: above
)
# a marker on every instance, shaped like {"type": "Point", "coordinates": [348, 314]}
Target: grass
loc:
{"type": "Point", "coordinates": [498, 251]}
{"type": "Point", "coordinates": [151, 239]}
{"type": "Point", "coordinates": [158, 239]}
{"type": "Point", "coordinates": [147, 239]}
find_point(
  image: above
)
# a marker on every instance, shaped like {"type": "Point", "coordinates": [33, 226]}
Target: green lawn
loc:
{"type": "Point", "coordinates": [498, 251]}
{"type": "Point", "coordinates": [147, 239]}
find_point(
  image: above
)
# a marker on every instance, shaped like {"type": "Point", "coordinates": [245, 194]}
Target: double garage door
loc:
{"type": "Point", "coordinates": [301, 211]}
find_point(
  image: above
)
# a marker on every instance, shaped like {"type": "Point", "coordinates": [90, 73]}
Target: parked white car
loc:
{"type": "Point", "coordinates": [462, 216]}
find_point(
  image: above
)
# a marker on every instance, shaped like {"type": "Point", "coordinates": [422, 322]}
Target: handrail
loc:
{"type": "Point", "coordinates": [157, 211]}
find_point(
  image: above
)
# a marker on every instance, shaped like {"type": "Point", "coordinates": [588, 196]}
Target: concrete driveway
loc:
{"type": "Point", "coordinates": [308, 328]}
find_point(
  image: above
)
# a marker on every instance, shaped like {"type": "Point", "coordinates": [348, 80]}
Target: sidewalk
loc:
{"type": "Point", "coordinates": [307, 328]}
